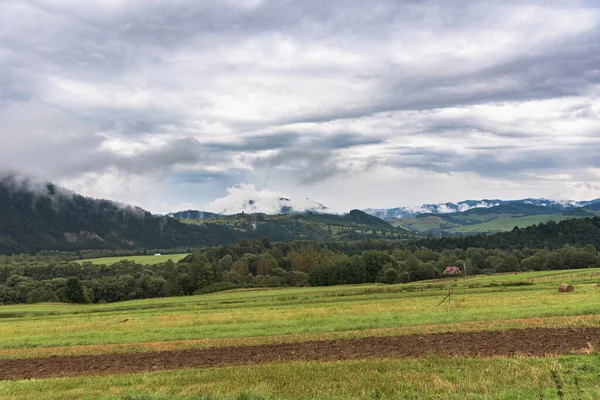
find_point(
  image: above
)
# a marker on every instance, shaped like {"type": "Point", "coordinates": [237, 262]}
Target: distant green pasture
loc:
{"type": "Point", "coordinates": [505, 222]}
{"type": "Point", "coordinates": [144, 260]}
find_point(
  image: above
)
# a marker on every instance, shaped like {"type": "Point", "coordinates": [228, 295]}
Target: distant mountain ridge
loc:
{"type": "Point", "coordinates": [498, 218]}
{"type": "Point", "coordinates": [43, 216]}
{"type": "Point", "coordinates": [463, 206]}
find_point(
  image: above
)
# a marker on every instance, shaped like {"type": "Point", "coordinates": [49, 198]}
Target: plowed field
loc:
{"type": "Point", "coordinates": [525, 342]}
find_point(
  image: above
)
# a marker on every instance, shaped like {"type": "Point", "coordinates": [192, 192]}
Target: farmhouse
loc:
{"type": "Point", "coordinates": [452, 271]}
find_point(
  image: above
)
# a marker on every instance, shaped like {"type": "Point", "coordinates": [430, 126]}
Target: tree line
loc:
{"type": "Point", "coordinates": [552, 235]}
{"type": "Point", "coordinates": [261, 263]}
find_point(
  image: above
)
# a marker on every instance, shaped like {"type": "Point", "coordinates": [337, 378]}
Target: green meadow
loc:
{"type": "Point", "coordinates": [491, 302]}
{"type": "Point", "coordinates": [284, 315]}
{"type": "Point", "coordinates": [144, 260]}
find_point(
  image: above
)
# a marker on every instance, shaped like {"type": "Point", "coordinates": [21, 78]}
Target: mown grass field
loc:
{"type": "Point", "coordinates": [248, 317]}
{"type": "Point", "coordinates": [431, 378]}
{"type": "Point", "coordinates": [144, 260]}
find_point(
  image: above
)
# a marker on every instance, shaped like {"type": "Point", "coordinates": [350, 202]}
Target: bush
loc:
{"type": "Point", "coordinates": [297, 278]}
{"type": "Point", "coordinates": [391, 276]}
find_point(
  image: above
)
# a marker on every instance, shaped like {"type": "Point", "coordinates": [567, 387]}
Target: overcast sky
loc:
{"type": "Point", "coordinates": [167, 104]}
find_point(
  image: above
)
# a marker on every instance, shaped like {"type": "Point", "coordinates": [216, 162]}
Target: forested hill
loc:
{"type": "Point", "coordinates": [552, 235]}
{"type": "Point", "coordinates": [35, 217]}
{"type": "Point", "coordinates": [46, 217]}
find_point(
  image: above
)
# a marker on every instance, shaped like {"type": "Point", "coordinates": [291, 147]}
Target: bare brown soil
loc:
{"type": "Point", "coordinates": [525, 342]}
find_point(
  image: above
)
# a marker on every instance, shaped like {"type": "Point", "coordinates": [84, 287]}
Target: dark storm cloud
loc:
{"type": "Point", "coordinates": [514, 164]}
{"type": "Point", "coordinates": [293, 157]}
{"type": "Point", "coordinates": [311, 165]}
{"type": "Point", "coordinates": [257, 142]}
{"type": "Point", "coordinates": [346, 140]}
{"type": "Point", "coordinates": [203, 177]}
{"type": "Point", "coordinates": [295, 140]}
{"type": "Point", "coordinates": [306, 165]}
{"type": "Point", "coordinates": [178, 152]}
{"type": "Point", "coordinates": [505, 162]}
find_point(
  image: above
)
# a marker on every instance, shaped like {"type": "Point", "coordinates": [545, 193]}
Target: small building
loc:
{"type": "Point", "coordinates": [452, 271]}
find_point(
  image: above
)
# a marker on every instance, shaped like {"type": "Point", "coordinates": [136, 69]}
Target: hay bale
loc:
{"type": "Point", "coordinates": [566, 288]}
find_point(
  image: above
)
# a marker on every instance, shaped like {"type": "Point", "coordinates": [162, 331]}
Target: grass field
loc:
{"type": "Point", "coordinates": [144, 260]}
{"type": "Point", "coordinates": [431, 378]}
{"type": "Point", "coordinates": [506, 223]}
{"type": "Point", "coordinates": [250, 317]}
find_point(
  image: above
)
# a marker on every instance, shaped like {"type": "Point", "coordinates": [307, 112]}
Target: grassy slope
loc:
{"type": "Point", "coordinates": [424, 224]}
{"type": "Point", "coordinates": [144, 260]}
{"type": "Point", "coordinates": [506, 223]}
{"type": "Point", "coordinates": [325, 224]}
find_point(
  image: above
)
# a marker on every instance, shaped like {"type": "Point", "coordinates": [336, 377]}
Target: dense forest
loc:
{"type": "Point", "coordinates": [552, 235]}
{"type": "Point", "coordinates": [45, 217]}
{"type": "Point", "coordinates": [259, 263]}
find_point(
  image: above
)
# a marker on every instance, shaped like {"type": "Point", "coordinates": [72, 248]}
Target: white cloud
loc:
{"type": "Point", "coordinates": [247, 198]}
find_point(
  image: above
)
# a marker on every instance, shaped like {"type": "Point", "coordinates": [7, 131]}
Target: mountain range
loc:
{"type": "Point", "coordinates": [465, 217]}
{"type": "Point", "coordinates": [463, 206]}
{"type": "Point", "coordinates": [500, 218]}
{"type": "Point", "coordinates": [43, 216]}
{"type": "Point", "coordinates": [35, 217]}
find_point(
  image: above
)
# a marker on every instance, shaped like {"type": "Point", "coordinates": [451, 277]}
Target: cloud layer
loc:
{"type": "Point", "coordinates": [353, 103]}
{"type": "Point", "coordinates": [248, 199]}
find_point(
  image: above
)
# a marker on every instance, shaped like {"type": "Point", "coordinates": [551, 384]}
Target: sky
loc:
{"type": "Point", "coordinates": [178, 104]}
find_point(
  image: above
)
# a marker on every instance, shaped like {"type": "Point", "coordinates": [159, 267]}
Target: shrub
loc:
{"type": "Point", "coordinates": [391, 276]}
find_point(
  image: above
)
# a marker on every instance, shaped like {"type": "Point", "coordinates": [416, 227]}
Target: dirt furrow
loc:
{"type": "Point", "coordinates": [526, 342]}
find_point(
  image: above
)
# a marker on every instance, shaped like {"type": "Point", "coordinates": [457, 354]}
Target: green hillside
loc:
{"type": "Point", "coordinates": [355, 225]}
{"type": "Point", "coordinates": [46, 217]}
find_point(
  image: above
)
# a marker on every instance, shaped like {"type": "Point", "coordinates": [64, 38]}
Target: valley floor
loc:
{"type": "Point", "coordinates": [505, 336]}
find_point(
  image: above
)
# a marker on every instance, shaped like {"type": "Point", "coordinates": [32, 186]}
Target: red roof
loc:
{"type": "Point", "coordinates": [451, 271]}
